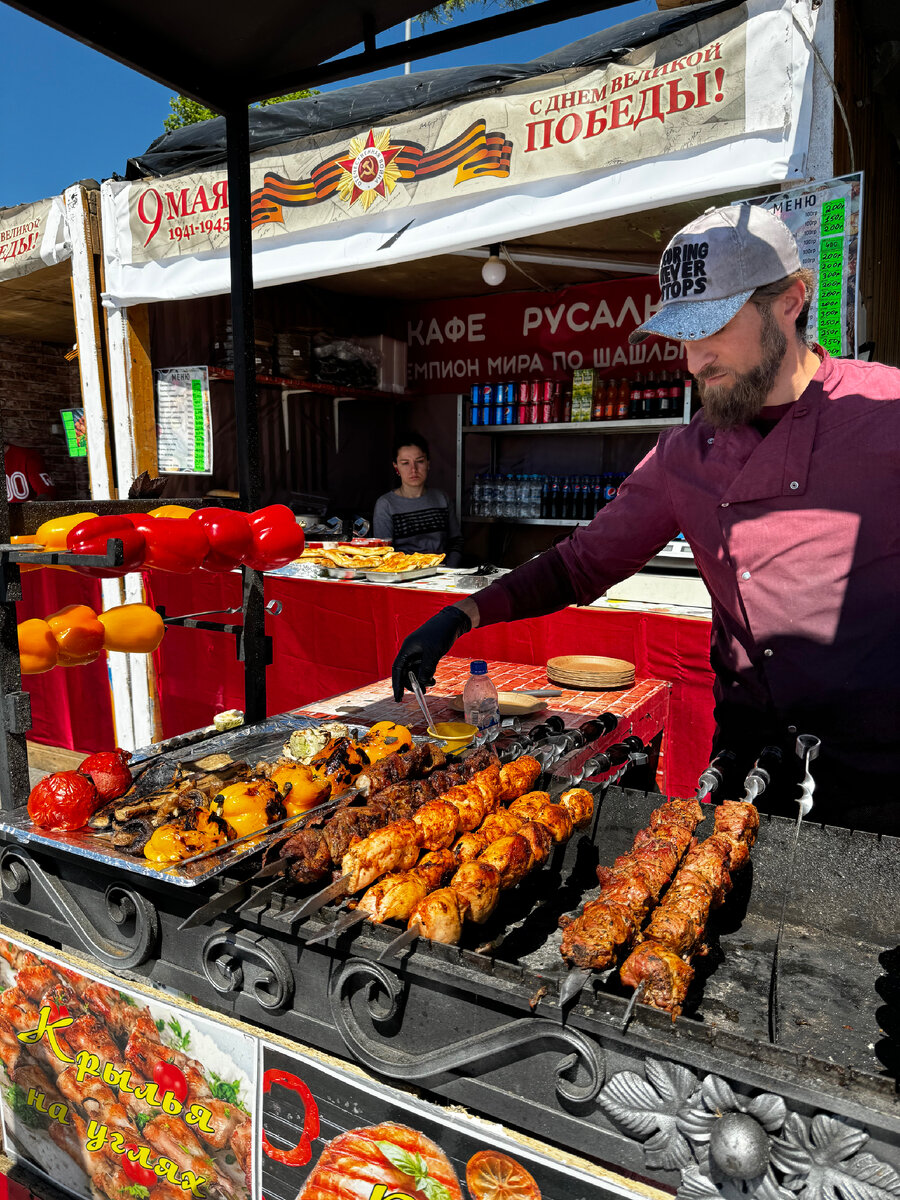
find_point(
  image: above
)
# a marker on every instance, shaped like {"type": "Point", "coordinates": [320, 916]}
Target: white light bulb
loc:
{"type": "Point", "coordinates": [494, 271]}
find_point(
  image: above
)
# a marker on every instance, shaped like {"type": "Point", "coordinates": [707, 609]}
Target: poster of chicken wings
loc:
{"type": "Point", "coordinates": [330, 1135]}
{"type": "Point", "coordinates": [112, 1094]}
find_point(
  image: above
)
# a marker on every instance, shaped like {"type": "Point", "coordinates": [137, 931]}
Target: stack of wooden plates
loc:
{"type": "Point", "coordinates": [591, 672]}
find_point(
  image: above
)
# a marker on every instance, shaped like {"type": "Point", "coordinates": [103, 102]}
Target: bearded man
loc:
{"type": "Point", "coordinates": [787, 487]}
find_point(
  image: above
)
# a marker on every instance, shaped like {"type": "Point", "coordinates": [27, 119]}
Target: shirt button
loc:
{"type": "Point", "coordinates": [709, 441]}
{"type": "Point", "coordinates": [724, 504]}
{"type": "Point", "coordinates": [794, 485]}
{"type": "Point", "coordinates": [746, 575]}
{"type": "Point", "coordinates": [768, 653]}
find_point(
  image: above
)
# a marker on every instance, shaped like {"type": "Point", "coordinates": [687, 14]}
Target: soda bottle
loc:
{"type": "Point", "coordinates": [676, 395]}
{"type": "Point", "coordinates": [599, 401]}
{"type": "Point", "coordinates": [635, 398]}
{"type": "Point", "coordinates": [610, 400]}
{"type": "Point", "coordinates": [565, 499]}
{"type": "Point", "coordinates": [576, 498]}
{"type": "Point", "coordinates": [648, 399]}
{"type": "Point", "coordinates": [480, 701]}
{"type": "Point", "coordinates": [554, 512]}
{"type": "Point", "coordinates": [596, 495]}
{"type": "Point", "coordinates": [565, 412]}
{"type": "Point", "coordinates": [662, 395]}
{"type": "Point", "coordinates": [622, 398]}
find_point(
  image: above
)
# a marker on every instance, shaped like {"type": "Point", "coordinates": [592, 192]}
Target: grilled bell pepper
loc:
{"type": "Point", "coordinates": [78, 634]}
{"type": "Point", "coordinates": [229, 537]}
{"type": "Point", "coordinates": [197, 831]}
{"type": "Point", "coordinates": [277, 539]}
{"type": "Point", "coordinates": [132, 628]}
{"type": "Point", "coordinates": [301, 787]}
{"type": "Point", "coordinates": [90, 537]}
{"type": "Point", "coordinates": [250, 806]}
{"type": "Point", "coordinates": [172, 545]}
{"type": "Point", "coordinates": [38, 651]}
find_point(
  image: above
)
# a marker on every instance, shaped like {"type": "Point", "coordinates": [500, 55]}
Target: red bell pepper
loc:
{"type": "Point", "coordinates": [172, 545]}
{"type": "Point", "coordinates": [277, 538]}
{"type": "Point", "coordinates": [91, 536]}
{"type": "Point", "coordinates": [229, 537]}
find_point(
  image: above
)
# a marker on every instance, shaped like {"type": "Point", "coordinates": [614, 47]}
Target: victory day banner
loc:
{"type": "Point", "coordinates": [32, 236]}
{"type": "Point", "coordinates": [110, 1094]}
{"type": "Point", "coordinates": [664, 98]}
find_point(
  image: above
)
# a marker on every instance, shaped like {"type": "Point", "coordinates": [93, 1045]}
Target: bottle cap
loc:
{"type": "Point", "coordinates": [478, 667]}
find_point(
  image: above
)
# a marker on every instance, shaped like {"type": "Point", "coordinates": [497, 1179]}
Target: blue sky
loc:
{"type": "Point", "coordinates": [70, 113]}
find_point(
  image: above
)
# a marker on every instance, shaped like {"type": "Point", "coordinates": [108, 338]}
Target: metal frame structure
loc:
{"type": "Point", "coordinates": [175, 44]}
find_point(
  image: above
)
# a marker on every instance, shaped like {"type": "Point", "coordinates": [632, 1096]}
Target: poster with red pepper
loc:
{"type": "Point", "coordinates": [327, 1134]}
{"type": "Point", "coordinates": [112, 1094]}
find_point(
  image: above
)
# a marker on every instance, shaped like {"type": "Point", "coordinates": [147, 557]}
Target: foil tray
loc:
{"type": "Point", "coordinates": [399, 576]}
{"type": "Point", "coordinates": [254, 741]}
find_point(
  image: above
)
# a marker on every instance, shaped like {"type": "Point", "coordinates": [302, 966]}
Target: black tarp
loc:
{"type": "Point", "coordinates": [198, 147]}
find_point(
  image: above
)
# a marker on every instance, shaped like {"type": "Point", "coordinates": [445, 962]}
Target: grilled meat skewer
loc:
{"type": "Point", "coordinates": [631, 887]}
{"type": "Point", "coordinates": [474, 891]}
{"type": "Point", "coordinates": [660, 965]}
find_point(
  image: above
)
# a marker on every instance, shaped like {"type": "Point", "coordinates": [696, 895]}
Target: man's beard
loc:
{"type": "Point", "coordinates": [725, 406]}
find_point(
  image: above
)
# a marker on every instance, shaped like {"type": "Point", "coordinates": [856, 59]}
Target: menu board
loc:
{"type": "Point", "coordinates": [110, 1093]}
{"type": "Point", "coordinates": [825, 219]}
{"type": "Point", "coordinates": [184, 421]}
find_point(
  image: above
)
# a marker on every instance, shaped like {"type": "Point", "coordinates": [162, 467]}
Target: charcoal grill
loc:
{"type": "Point", "coordinates": [486, 1030]}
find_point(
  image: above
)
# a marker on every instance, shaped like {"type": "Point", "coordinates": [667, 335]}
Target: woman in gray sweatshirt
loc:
{"type": "Point", "coordinates": [414, 518]}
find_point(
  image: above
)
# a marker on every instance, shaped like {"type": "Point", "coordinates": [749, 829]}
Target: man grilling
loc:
{"type": "Point", "coordinates": [787, 487]}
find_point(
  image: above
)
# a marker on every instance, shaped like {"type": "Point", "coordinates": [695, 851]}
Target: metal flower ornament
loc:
{"type": "Point", "coordinates": [729, 1146]}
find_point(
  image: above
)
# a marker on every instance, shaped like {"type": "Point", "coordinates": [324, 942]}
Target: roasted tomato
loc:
{"type": "Point", "coordinates": [109, 772]}
{"type": "Point", "coordinates": [491, 1175]}
{"type": "Point", "coordinates": [170, 1078]}
{"type": "Point", "coordinates": [64, 800]}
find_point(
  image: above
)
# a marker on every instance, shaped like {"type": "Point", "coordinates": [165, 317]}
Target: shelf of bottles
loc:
{"type": "Point", "coordinates": [612, 426]}
{"type": "Point", "coordinates": [541, 499]}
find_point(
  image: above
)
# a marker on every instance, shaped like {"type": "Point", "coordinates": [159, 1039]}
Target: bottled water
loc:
{"type": "Point", "coordinates": [480, 702]}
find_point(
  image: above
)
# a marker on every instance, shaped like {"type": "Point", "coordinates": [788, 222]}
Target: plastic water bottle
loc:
{"type": "Point", "coordinates": [480, 702]}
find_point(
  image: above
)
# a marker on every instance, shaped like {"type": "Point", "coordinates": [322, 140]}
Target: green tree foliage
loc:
{"type": "Point", "coordinates": [189, 112]}
{"type": "Point", "coordinates": [445, 12]}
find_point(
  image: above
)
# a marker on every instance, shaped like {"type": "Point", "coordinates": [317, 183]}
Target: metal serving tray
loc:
{"type": "Point", "coordinates": [399, 576]}
{"type": "Point", "coordinates": [248, 741]}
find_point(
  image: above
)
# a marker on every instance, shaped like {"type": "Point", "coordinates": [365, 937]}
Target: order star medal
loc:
{"type": "Point", "coordinates": [370, 171]}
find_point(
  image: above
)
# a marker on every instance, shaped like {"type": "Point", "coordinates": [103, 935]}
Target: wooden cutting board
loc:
{"type": "Point", "coordinates": [511, 704]}
{"type": "Point", "coordinates": [590, 671]}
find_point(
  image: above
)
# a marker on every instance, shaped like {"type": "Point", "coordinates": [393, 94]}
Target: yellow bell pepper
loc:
{"type": "Point", "coordinates": [250, 806]}
{"type": "Point", "coordinates": [132, 628]}
{"type": "Point", "coordinates": [52, 534]}
{"type": "Point", "coordinates": [302, 788]}
{"type": "Point", "coordinates": [180, 511]}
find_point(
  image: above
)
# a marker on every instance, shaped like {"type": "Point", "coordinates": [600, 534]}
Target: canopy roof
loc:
{"type": "Point", "coordinates": [196, 147]}
{"type": "Point", "coordinates": [232, 53]}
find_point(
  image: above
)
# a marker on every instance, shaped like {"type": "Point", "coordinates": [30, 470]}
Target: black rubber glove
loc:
{"type": "Point", "coordinates": [424, 648]}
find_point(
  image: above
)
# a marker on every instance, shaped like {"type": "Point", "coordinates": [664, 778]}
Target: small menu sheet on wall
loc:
{"type": "Point", "coordinates": [184, 421]}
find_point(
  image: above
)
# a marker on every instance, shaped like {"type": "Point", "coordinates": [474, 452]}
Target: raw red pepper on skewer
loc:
{"type": "Point", "coordinates": [229, 537]}
{"type": "Point", "coordinates": [90, 537]}
{"type": "Point", "coordinates": [174, 545]}
{"type": "Point", "coordinates": [277, 538]}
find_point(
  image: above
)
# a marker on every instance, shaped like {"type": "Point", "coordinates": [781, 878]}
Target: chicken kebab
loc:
{"type": "Point", "coordinates": [516, 840]}
{"type": "Point", "coordinates": [661, 963]}
{"type": "Point", "coordinates": [629, 889]}
{"type": "Point", "coordinates": [110, 1029]}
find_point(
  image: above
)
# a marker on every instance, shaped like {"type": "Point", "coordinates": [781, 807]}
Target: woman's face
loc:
{"type": "Point", "coordinates": [412, 465]}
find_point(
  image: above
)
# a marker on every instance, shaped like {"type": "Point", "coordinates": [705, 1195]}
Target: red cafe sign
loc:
{"type": "Point", "coordinates": [452, 344]}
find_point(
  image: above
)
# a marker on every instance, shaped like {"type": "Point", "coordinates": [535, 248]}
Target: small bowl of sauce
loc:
{"type": "Point", "coordinates": [455, 735]}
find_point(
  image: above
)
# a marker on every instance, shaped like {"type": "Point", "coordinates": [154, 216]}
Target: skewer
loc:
{"type": "Point", "coordinates": [400, 942]}
{"type": "Point", "coordinates": [237, 892]}
{"type": "Point", "coordinates": [573, 985]}
{"type": "Point", "coordinates": [264, 892]}
{"type": "Point", "coordinates": [344, 922]}
{"type": "Point", "coordinates": [632, 1003]}
{"type": "Point", "coordinates": [312, 904]}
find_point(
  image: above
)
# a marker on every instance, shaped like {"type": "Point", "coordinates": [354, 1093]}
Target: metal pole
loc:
{"type": "Point", "coordinates": [15, 715]}
{"type": "Point", "coordinates": [253, 644]}
{"type": "Point", "coordinates": [406, 37]}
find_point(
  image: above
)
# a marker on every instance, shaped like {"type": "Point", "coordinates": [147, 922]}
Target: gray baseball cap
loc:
{"type": "Point", "coordinates": [712, 267]}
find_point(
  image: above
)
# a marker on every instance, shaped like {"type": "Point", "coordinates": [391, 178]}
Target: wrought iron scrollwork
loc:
{"type": "Point", "coordinates": [230, 960]}
{"type": "Point", "coordinates": [383, 992]}
{"type": "Point", "coordinates": [132, 917]}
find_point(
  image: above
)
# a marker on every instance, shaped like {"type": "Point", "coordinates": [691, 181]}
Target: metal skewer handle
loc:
{"type": "Point", "coordinates": [713, 777]}
{"type": "Point", "coordinates": [760, 775]}
{"type": "Point", "coordinates": [807, 750]}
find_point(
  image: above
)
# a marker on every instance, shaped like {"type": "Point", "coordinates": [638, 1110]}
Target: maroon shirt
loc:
{"type": "Point", "coordinates": [797, 537]}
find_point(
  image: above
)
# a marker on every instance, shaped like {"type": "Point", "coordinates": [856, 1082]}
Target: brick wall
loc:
{"type": "Point", "coordinates": [35, 383]}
